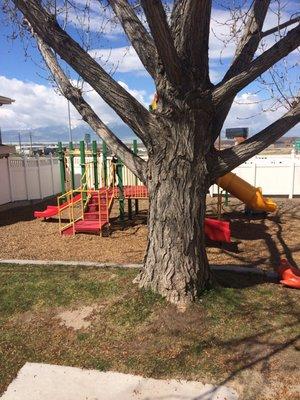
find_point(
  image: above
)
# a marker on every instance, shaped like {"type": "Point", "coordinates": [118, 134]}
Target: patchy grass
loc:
{"type": "Point", "coordinates": [246, 336]}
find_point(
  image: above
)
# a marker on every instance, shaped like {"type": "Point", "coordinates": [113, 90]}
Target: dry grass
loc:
{"type": "Point", "coordinates": [261, 241]}
{"type": "Point", "coordinates": [245, 337]}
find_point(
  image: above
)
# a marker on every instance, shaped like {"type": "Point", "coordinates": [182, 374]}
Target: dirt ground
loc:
{"type": "Point", "coordinates": [258, 241]}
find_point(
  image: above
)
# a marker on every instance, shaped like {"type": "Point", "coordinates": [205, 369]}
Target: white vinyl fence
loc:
{"type": "Point", "coordinates": [277, 176]}
{"type": "Point", "coordinates": [31, 178]}
{"type": "Point", "coordinates": [28, 178]}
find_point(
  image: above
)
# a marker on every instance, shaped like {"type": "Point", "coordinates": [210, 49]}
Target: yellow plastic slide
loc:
{"type": "Point", "coordinates": [247, 193]}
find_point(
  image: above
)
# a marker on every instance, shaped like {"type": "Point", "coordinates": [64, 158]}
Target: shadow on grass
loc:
{"type": "Point", "coordinates": [238, 280]}
{"type": "Point", "coordinates": [232, 354]}
{"type": "Point", "coordinates": [274, 348]}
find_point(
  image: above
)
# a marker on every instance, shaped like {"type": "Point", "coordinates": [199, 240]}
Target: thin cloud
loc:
{"type": "Point", "coordinates": [120, 59]}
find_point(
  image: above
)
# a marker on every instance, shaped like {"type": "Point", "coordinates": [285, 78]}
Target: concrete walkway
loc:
{"type": "Point", "coordinates": [53, 382]}
{"type": "Point", "coordinates": [269, 275]}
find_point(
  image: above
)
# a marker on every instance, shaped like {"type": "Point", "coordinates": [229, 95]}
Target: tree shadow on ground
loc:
{"type": "Point", "coordinates": [238, 280]}
{"type": "Point", "coordinates": [24, 213]}
{"type": "Point", "coordinates": [272, 333]}
{"type": "Point", "coordinates": [136, 221]}
{"type": "Point", "coordinates": [261, 231]}
{"type": "Point", "coordinates": [273, 348]}
{"type": "Point", "coordinates": [259, 350]}
{"type": "Point", "coordinates": [244, 228]}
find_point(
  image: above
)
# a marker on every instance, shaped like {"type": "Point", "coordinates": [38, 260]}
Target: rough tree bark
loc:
{"type": "Point", "coordinates": [179, 136]}
{"type": "Point", "coordinates": [176, 264]}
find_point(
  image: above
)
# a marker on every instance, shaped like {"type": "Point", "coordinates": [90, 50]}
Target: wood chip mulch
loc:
{"type": "Point", "coordinates": [259, 241]}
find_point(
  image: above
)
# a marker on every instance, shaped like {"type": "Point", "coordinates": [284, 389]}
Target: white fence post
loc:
{"type": "Point", "coordinates": [254, 171]}
{"type": "Point", "coordinates": [9, 180]}
{"type": "Point", "coordinates": [52, 173]}
{"type": "Point", "coordinates": [291, 194]}
{"type": "Point", "coordinates": [26, 176]}
{"type": "Point", "coordinates": [39, 175]}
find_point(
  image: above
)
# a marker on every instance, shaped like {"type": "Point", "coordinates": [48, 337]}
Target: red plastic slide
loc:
{"type": "Point", "coordinates": [50, 211]}
{"type": "Point", "coordinates": [217, 230]}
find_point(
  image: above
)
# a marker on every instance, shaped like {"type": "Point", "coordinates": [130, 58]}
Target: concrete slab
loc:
{"type": "Point", "coordinates": [53, 382]}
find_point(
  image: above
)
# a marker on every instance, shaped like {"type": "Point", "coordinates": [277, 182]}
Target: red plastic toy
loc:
{"type": "Point", "coordinates": [217, 230]}
{"type": "Point", "coordinates": [290, 276]}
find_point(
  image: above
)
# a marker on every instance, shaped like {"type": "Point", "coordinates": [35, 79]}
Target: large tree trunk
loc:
{"type": "Point", "coordinates": [176, 264]}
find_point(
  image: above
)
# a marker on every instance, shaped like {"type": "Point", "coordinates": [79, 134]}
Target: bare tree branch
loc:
{"type": "Point", "coordinates": [137, 34]}
{"type": "Point", "coordinates": [258, 66]}
{"type": "Point", "coordinates": [190, 26]}
{"type": "Point", "coordinates": [250, 39]}
{"type": "Point", "coordinates": [226, 160]}
{"type": "Point", "coordinates": [125, 105]}
{"type": "Point", "coordinates": [74, 95]}
{"type": "Point", "coordinates": [280, 27]}
{"type": "Point", "coordinates": [244, 54]}
{"type": "Point", "coordinates": [161, 33]}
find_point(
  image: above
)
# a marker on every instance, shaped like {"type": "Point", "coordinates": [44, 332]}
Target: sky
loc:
{"type": "Point", "coordinates": [37, 104]}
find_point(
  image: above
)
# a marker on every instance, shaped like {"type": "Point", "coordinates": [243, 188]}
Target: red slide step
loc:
{"type": "Point", "coordinates": [85, 226]}
{"type": "Point", "coordinates": [94, 215]}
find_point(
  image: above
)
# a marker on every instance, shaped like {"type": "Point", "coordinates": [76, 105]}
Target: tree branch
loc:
{"type": "Point", "coordinates": [190, 26]}
{"type": "Point", "coordinates": [137, 34]}
{"type": "Point", "coordinates": [125, 105]}
{"type": "Point", "coordinates": [280, 26]}
{"type": "Point", "coordinates": [161, 33]}
{"type": "Point", "coordinates": [250, 39]}
{"type": "Point", "coordinates": [244, 54]}
{"type": "Point", "coordinates": [132, 161]}
{"type": "Point", "coordinates": [257, 67]}
{"type": "Point", "coordinates": [226, 160]}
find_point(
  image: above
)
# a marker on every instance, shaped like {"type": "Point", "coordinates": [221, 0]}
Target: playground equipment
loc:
{"type": "Point", "coordinates": [247, 193]}
{"type": "Point", "coordinates": [51, 211]}
{"type": "Point", "coordinates": [289, 275]}
{"type": "Point", "coordinates": [87, 208]}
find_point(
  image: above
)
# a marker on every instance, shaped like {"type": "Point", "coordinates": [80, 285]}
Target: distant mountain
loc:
{"type": "Point", "coordinates": [61, 133]}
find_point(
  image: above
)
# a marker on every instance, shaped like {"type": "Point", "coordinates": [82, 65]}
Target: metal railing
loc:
{"type": "Point", "coordinates": [67, 203]}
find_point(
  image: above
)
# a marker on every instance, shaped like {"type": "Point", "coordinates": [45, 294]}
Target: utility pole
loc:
{"type": "Point", "coordinates": [20, 144]}
{"type": "Point", "coordinates": [30, 138]}
{"type": "Point", "coordinates": [70, 127]}
{"type": "Point", "coordinates": [0, 136]}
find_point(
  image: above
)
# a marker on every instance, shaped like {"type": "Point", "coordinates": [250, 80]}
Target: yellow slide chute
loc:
{"type": "Point", "coordinates": [247, 193]}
